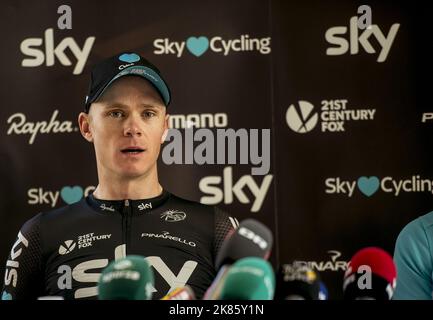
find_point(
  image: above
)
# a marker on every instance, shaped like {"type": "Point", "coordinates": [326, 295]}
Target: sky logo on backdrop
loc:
{"type": "Point", "coordinates": [353, 41]}
{"type": "Point", "coordinates": [44, 50]}
{"type": "Point", "coordinates": [69, 195]}
{"type": "Point", "coordinates": [368, 186]}
{"type": "Point", "coordinates": [198, 46]}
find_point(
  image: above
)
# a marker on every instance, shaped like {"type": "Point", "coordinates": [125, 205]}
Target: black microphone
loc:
{"type": "Point", "coordinates": [323, 294]}
{"type": "Point", "coordinates": [251, 239]}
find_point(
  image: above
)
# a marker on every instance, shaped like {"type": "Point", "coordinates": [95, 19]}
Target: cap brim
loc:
{"type": "Point", "coordinates": [145, 73]}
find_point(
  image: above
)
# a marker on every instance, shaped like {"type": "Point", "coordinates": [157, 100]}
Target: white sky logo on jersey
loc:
{"type": "Point", "coordinates": [144, 206]}
{"type": "Point", "coordinates": [173, 216]}
{"type": "Point", "coordinates": [84, 273]}
{"type": "Point", "coordinates": [67, 247]}
{"type": "Point", "coordinates": [12, 265]}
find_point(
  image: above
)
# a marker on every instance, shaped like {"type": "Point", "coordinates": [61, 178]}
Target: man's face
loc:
{"type": "Point", "coordinates": [127, 125]}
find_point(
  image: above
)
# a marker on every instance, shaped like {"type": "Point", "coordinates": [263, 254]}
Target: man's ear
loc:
{"type": "Point", "coordinates": [164, 135]}
{"type": "Point", "coordinates": [84, 123]}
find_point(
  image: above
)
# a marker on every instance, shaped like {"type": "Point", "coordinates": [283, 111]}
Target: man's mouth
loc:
{"type": "Point", "coordinates": [132, 150]}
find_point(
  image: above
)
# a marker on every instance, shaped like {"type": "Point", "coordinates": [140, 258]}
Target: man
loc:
{"type": "Point", "coordinates": [62, 252]}
{"type": "Point", "coordinates": [413, 257]}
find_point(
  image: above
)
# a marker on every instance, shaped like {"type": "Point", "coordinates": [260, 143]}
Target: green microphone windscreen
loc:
{"type": "Point", "coordinates": [129, 278]}
{"type": "Point", "coordinates": [249, 278]}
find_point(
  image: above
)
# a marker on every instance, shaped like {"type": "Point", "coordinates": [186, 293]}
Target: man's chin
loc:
{"type": "Point", "coordinates": [132, 173]}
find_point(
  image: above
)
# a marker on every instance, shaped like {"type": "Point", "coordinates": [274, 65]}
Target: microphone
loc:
{"type": "Point", "coordinates": [323, 293]}
{"type": "Point", "coordinates": [297, 282]}
{"type": "Point", "coordinates": [249, 278]}
{"type": "Point", "coordinates": [250, 239]}
{"type": "Point", "coordinates": [371, 275]}
{"type": "Point", "coordinates": [214, 291]}
{"type": "Point", "coordinates": [129, 278]}
{"type": "Point", "coordinates": [183, 293]}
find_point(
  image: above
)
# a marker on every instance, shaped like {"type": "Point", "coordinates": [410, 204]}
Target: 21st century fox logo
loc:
{"type": "Point", "coordinates": [334, 114]}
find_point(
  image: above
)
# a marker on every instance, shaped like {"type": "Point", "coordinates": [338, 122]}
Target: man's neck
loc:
{"type": "Point", "coordinates": [143, 187]}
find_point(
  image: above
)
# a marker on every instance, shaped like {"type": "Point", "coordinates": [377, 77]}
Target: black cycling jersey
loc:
{"type": "Point", "coordinates": [62, 252]}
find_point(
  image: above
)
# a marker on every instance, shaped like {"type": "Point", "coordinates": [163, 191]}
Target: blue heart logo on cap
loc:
{"type": "Point", "coordinates": [71, 195]}
{"type": "Point", "coordinates": [197, 46]}
{"type": "Point", "coordinates": [6, 296]}
{"type": "Point", "coordinates": [129, 57]}
{"type": "Point", "coordinates": [368, 186]}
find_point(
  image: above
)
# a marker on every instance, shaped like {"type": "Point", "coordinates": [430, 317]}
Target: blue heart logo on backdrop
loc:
{"type": "Point", "coordinates": [71, 195]}
{"type": "Point", "coordinates": [368, 186]}
{"type": "Point", "coordinates": [129, 57]}
{"type": "Point", "coordinates": [197, 46]}
{"type": "Point", "coordinates": [6, 296]}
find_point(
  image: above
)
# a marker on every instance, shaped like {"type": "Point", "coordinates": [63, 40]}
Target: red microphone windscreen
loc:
{"type": "Point", "coordinates": [379, 261]}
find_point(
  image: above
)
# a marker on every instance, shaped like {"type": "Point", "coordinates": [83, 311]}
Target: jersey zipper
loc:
{"type": "Point", "coordinates": [126, 216]}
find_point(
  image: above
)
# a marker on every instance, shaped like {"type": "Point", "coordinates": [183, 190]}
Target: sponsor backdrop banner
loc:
{"type": "Point", "coordinates": [332, 122]}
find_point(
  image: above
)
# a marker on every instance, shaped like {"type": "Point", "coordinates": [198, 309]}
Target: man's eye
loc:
{"type": "Point", "coordinates": [148, 114]}
{"type": "Point", "coordinates": [115, 114]}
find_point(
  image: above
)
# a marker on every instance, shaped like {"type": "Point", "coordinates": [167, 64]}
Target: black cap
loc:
{"type": "Point", "coordinates": [124, 64]}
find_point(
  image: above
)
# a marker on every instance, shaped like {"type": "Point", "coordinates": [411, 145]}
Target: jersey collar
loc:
{"type": "Point", "coordinates": [137, 206]}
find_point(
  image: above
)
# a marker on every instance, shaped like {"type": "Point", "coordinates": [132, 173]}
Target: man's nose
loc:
{"type": "Point", "coordinates": [132, 127]}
